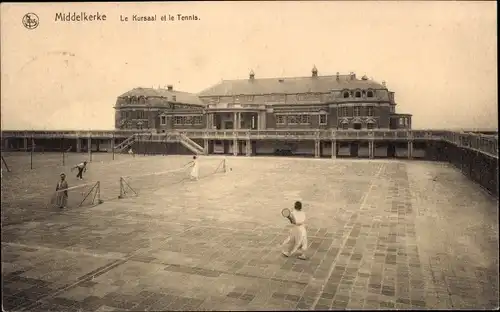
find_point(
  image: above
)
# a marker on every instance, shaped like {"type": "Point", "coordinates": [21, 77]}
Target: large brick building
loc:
{"type": "Point", "coordinates": [341, 102]}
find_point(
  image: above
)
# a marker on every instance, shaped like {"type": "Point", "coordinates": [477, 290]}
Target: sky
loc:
{"type": "Point", "coordinates": [439, 57]}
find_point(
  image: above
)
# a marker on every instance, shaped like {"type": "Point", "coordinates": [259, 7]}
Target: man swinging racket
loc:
{"type": "Point", "coordinates": [297, 239]}
{"type": "Point", "coordinates": [82, 167]}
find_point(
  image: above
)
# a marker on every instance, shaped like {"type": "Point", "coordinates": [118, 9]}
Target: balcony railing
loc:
{"type": "Point", "coordinates": [479, 142]}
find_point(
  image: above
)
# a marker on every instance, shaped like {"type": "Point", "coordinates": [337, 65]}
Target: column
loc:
{"type": "Point", "coordinates": [371, 149]}
{"type": "Point", "coordinates": [410, 149]}
{"type": "Point", "coordinates": [334, 149]}
{"type": "Point", "coordinates": [25, 144]}
{"type": "Point", "coordinates": [6, 144]}
{"type": "Point", "coordinates": [79, 145]}
{"type": "Point", "coordinates": [248, 147]}
{"type": "Point", "coordinates": [261, 120]}
{"type": "Point", "coordinates": [205, 146]}
{"type": "Point", "coordinates": [235, 120]}
{"type": "Point", "coordinates": [235, 147]}
{"type": "Point", "coordinates": [316, 148]}
{"type": "Point", "coordinates": [112, 144]}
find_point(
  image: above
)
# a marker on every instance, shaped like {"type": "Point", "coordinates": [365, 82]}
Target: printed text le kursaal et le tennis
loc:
{"type": "Point", "coordinates": [100, 17]}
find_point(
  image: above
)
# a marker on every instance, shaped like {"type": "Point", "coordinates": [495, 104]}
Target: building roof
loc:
{"type": "Point", "coordinates": [181, 97]}
{"type": "Point", "coordinates": [288, 85]}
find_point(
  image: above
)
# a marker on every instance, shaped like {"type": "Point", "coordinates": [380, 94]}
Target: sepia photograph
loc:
{"type": "Point", "coordinates": [249, 155]}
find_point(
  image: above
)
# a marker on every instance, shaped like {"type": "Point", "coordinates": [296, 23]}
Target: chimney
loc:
{"type": "Point", "coordinates": [252, 75]}
{"type": "Point", "coordinates": [383, 83]}
{"type": "Point", "coordinates": [353, 76]}
{"type": "Point", "coordinates": [338, 76]}
{"type": "Point", "coordinates": [170, 87]}
{"type": "Point", "coordinates": [315, 71]}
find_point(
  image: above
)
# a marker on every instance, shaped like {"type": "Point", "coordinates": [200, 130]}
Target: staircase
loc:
{"type": "Point", "coordinates": [120, 148]}
{"type": "Point", "coordinates": [165, 137]}
{"type": "Point", "coordinates": [190, 144]}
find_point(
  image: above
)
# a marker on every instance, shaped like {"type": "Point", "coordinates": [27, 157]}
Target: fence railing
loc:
{"type": "Point", "coordinates": [476, 141]}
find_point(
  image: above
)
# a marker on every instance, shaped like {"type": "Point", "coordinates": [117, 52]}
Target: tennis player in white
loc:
{"type": "Point", "coordinates": [297, 240]}
{"type": "Point", "coordinates": [195, 169]}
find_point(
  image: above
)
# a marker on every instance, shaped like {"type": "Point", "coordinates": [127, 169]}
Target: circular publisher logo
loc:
{"type": "Point", "coordinates": [30, 20]}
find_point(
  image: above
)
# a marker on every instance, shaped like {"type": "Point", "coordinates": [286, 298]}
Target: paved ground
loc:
{"type": "Point", "coordinates": [383, 234]}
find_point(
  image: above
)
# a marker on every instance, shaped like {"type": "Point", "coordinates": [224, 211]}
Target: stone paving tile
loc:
{"type": "Point", "coordinates": [372, 248]}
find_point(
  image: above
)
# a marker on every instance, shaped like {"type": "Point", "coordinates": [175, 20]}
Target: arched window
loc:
{"type": "Point", "coordinates": [142, 100]}
{"type": "Point", "coordinates": [358, 94]}
{"type": "Point", "coordinates": [345, 94]}
{"type": "Point", "coordinates": [369, 94]}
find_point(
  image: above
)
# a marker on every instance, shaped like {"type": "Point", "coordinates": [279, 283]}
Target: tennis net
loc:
{"type": "Point", "coordinates": [132, 186]}
{"type": "Point", "coordinates": [85, 195]}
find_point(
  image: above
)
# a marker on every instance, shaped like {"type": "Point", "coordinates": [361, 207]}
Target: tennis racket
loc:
{"type": "Point", "coordinates": [285, 212]}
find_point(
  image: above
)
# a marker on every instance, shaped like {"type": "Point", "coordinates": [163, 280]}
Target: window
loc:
{"type": "Point", "coordinates": [198, 120]}
{"type": "Point", "coordinates": [305, 119]}
{"type": "Point", "coordinates": [357, 111]}
{"type": "Point", "coordinates": [280, 119]}
{"type": "Point", "coordinates": [142, 100]}
{"type": "Point", "coordinates": [163, 120]}
{"type": "Point", "coordinates": [345, 126]}
{"type": "Point", "coordinates": [174, 98]}
{"type": "Point", "coordinates": [369, 94]}
{"type": "Point", "coordinates": [346, 94]}
{"type": "Point", "coordinates": [370, 125]}
{"type": "Point", "coordinates": [178, 120]}
{"type": "Point", "coordinates": [188, 120]}
{"type": "Point", "coordinates": [293, 120]}
{"type": "Point", "coordinates": [369, 111]}
{"type": "Point", "coordinates": [322, 119]}
{"type": "Point", "coordinates": [140, 115]}
{"type": "Point", "coordinates": [345, 111]}
{"type": "Point", "coordinates": [358, 94]}
{"type": "Point", "coordinates": [401, 122]}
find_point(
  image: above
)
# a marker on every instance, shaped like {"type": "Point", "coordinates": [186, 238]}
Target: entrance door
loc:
{"type": "Point", "coordinates": [391, 151]}
{"type": "Point", "coordinates": [217, 121]}
{"type": "Point", "coordinates": [354, 149]}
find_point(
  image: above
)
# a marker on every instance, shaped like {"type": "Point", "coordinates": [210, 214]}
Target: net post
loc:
{"type": "Point", "coordinates": [121, 188]}
{"type": "Point", "coordinates": [224, 165]}
{"type": "Point", "coordinates": [5, 164]}
{"type": "Point", "coordinates": [62, 149]}
{"type": "Point", "coordinates": [99, 200]}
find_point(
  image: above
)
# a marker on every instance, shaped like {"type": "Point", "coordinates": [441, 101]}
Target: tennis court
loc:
{"type": "Point", "coordinates": [383, 234]}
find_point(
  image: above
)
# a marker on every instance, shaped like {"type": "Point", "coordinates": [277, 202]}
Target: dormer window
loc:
{"type": "Point", "coordinates": [358, 94]}
{"type": "Point", "coordinates": [345, 94]}
{"type": "Point", "coordinates": [369, 94]}
{"type": "Point", "coordinates": [174, 98]}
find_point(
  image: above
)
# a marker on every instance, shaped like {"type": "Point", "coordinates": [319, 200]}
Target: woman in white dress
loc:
{"type": "Point", "coordinates": [195, 169]}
